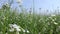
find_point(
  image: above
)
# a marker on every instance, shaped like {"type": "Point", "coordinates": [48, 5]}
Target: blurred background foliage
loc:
{"type": "Point", "coordinates": [35, 23]}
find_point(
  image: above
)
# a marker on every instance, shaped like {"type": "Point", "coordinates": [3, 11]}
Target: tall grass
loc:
{"type": "Point", "coordinates": [35, 25]}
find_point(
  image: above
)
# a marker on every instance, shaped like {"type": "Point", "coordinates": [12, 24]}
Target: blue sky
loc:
{"type": "Point", "coordinates": [44, 4]}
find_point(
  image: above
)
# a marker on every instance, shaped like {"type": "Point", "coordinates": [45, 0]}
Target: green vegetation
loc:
{"type": "Point", "coordinates": [35, 24]}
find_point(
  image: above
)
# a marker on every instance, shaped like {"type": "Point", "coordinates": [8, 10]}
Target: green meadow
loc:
{"type": "Point", "coordinates": [34, 23]}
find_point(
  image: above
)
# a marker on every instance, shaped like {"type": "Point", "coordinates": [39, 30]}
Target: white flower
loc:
{"type": "Point", "coordinates": [50, 17]}
{"type": "Point", "coordinates": [11, 30]}
{"type": "Point", "coordinates": [53, 15]}
{"type": "Point", "coordinates": [19, 1]}
{"type": "Point", "coordinates": [27, 31]}
{"type": "Point", "coordinates": [14, 26]}
{"type": "Point", "coordinates": [17, 27]}
{"type": "Point", "coordinates": [55, 23]}
{"type": "Point", "coordinates": [7, 4]}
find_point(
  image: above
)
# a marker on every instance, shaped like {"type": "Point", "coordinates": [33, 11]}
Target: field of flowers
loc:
{"type": "Point", "coordinates": [12, 22]}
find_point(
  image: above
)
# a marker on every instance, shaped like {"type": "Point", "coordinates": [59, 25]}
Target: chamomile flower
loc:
{"type": "Point", "coordinates": [14, 26]}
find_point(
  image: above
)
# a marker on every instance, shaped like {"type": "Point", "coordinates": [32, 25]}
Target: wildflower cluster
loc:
{"type": "Point", "coordinates": [16, 28]}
